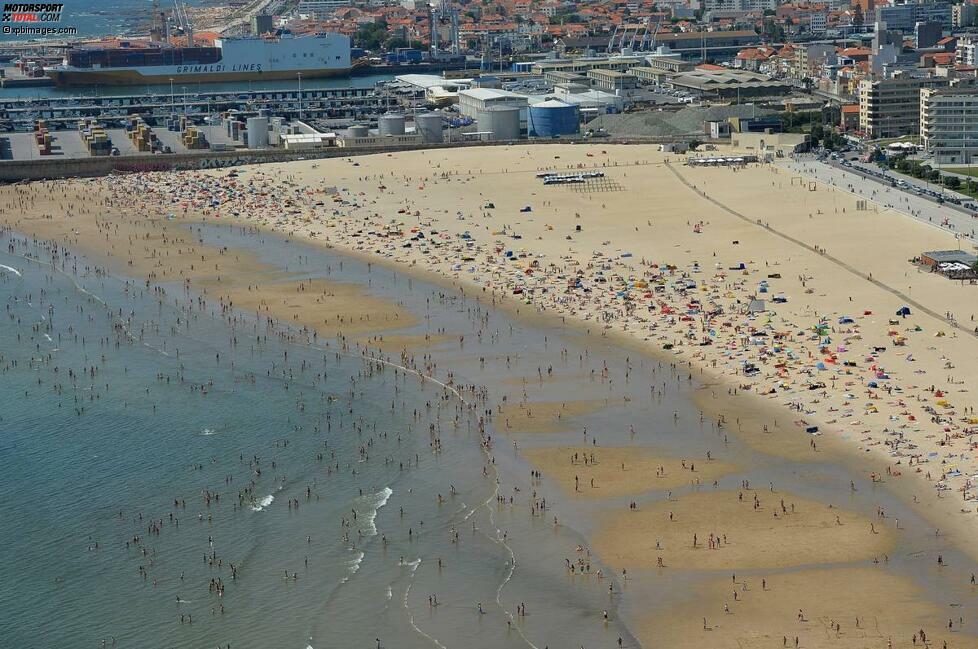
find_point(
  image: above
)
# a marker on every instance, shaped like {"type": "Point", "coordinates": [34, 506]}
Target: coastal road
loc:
{"type": "Point", "coordinates": [959, 221]}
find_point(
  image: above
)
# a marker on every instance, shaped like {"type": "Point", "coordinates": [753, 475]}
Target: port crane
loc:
{"type": "Point", "coordinates": [183, 21]}
{"type": "Point", "coordinates": [638, 38]}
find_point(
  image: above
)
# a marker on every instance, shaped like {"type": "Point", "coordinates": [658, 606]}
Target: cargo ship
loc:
{"type": "Point", "coordinates": [228, 59]}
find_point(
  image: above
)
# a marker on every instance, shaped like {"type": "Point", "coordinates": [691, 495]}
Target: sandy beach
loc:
{"type": "Point", "coordinates": [669, 260]}
{"type": "Point", "coordinates": [625, 249]}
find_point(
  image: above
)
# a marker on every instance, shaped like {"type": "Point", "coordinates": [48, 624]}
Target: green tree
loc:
{"type": "Point", "coordinates": [817, 134]}
{"type": "Point", "coordinates": [772, 30]}
{"type": "Point", "coordinates": [371, 36]}
{"type": "Point", "coordinates": [952, 182]}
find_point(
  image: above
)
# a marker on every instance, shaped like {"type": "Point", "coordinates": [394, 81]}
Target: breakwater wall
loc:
{"type": "Point", "coordinates": [49, 168]}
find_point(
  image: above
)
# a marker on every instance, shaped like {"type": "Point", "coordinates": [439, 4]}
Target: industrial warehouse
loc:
{"type": "Point", "coordinates": [549, 98]}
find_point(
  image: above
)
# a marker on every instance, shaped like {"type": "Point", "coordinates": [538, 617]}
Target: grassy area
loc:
{"type": "Point", "coordinates": [913, 139]}
{"type": "Point", "coordinates": [964, 190]}
{"type": "Point", "coordinates": [964, 171]}
{"type": "Point", "coordinates": [960, 189]}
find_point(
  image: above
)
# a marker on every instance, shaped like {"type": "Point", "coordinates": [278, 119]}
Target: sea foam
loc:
{"type": "Point", "coordinates": [263, 503]}
{"type": "Point", "coordinates": [370, 506]}
{"type": "Point", "coordinates": [353, 566]}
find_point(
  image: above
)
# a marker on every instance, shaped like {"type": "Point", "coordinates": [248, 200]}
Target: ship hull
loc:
{"type": "Point", "coordinates": [133, 77]}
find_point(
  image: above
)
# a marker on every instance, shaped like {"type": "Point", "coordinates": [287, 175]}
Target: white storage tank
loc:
{"type": "Point", "coordinates": [390, 124]}
{"type": "Point", "coordinates": [358, 130]}
{"type": "Point", "coordinates": [257, 132]}
{"type": "Point", "coordinates": [500, 122]}
{"type": "Point", "coordinates": [429, 127]}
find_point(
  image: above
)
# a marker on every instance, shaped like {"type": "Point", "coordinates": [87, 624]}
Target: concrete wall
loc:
{"type": "Point", "coordinates": [787, 142]}
{"type": "Point", "coordinates": [17, 170]}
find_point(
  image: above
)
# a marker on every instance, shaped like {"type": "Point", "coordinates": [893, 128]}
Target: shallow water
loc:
{"type": "Point", "coordinates": [181, 402]}
{"type": "Point", "coordinates": [186, 398]}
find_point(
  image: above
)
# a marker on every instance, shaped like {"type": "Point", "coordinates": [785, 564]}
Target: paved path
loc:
{"type": "Point", "coordinates": [907, 203]}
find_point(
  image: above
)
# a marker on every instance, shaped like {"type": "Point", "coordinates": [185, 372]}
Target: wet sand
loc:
{"type": "Point", "coordinates": [164, 250]}
{"type": "Point", "coordinates": [844, 608]}
{"type": "Point", "coordinates": [329, 308]}
{"type": "Point", "coordinates": [544, 416]}
{"type": "Point", "coordinates": [783, 530]}
{"type": "Point", "coordinates": [621, 471]}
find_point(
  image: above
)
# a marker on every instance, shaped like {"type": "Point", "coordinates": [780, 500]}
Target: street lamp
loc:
{"type": "Point", "coordinates": [171, 94]}
{"type": "Point", "coordinates": [299, 74]}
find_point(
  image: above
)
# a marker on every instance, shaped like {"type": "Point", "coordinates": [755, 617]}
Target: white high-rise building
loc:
{"type": "Point", "coordinates": [818, 23]}
{"type": "Point", "coordinates": [739, 5]}
{"type": "Point", "coordinates": [891, 107]}
{"type": "Point", "coordinates": [967, 51]}
{"type": "Point", "coordinates": [949, 122]}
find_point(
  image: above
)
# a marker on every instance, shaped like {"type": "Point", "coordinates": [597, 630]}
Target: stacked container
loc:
{"type": "Point", "coordinates": [98, 142]}
{"type": "Point", "coordinates": [42, 137]}
{"type": "Point", "coordinates": [141, 134]}
{"type": "Point", "coordinates": [193, 138]}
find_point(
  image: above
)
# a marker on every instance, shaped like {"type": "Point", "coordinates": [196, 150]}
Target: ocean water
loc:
{"type": "Point", "coordinates": [108, 17]}
{"type": "Point", "coordinates": [121, 406]}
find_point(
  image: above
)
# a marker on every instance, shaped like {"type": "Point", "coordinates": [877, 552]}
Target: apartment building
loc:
{"type": "Point", "coordinates": [758, 6]}
{"type": "Point", "coordinates": [966, 51]}
{"type": "Point", "coordinates": [891, 107]}
{"type": "Point", "coordinates": [818, 23]}
{"type": "Point", "coordinates": [904, 17]}
{"type": "Point", "coordinates": [963, 15]}
{"type": "Point", "coordinates": [811, 59]}
{"type": "Point", "coordinates": [323, 9]}
{"type": "Point", "coordinates": [949, 122]}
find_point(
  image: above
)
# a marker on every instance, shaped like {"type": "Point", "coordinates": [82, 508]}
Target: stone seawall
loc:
{"type": "Point", "coordinates": [21, 170]}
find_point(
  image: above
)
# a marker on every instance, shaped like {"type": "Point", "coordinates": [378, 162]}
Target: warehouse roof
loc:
{"type": "Point", "coordinates": [488, 93]}
{"type": "Point", "coordinates": [714, 79]}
